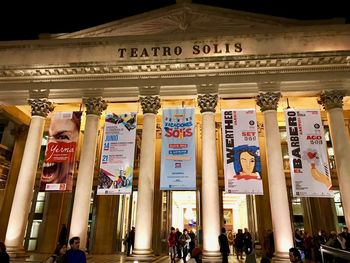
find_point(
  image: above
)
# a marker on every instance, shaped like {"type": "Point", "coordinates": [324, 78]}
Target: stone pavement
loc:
{"type": "Point", "coordinates": [114, 258]}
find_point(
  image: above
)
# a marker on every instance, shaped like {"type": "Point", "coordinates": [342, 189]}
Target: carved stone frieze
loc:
{"type": "Point", "coordinates": [207, 102]}
{"type": "Point", "coordinates": [41, 107]}
{"type": "Point", "coordinates": [331, 99]}
{"type": "Point", "coordinates": [95, 105]}
{"type": "Point", "coordinates": [150, 104]}
{"type": "Point", "coordinates": [268, 100]}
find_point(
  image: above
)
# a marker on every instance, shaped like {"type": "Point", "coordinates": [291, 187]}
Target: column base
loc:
{"type": "Point", "coordinates": [16, 252]}
{"type": "Point", "coordinates": [281, 257]}
{"type": "Point", "coordinates": [211, 256]}
{"type": "Point", "coordinates": [143, 255]}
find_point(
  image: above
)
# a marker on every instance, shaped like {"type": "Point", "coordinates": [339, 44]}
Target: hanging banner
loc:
{"type": "Point", "coordinates": [58, 167]}
{"type": "Point", "coordinates": [178, 163]}
{"type": "Point", "coordinates": [308, 157]}
{"type": "Point", "coordinates": [241, 152]}
{"type": "Point", "coordinates": [117, 156]}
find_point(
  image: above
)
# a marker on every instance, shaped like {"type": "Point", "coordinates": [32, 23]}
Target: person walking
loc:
{"type": "Point", "coordinates": [224, 247]}
{"type": "Point", "coordinates": [131, 240]}
{"type": "Point", "coordinates": [184, 241]}
{"type": "Point", "coordinates": [172, 245]}
{"type": "Point", "coordinates": [74, 254]}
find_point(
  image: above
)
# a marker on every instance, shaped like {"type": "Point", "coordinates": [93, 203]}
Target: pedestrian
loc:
{"type": "Point", "coordinates": [59, 254]}
{"type": "Point", "coordinates": [172, 245]}
{"type": "Point", "coordinates": [294, 255]}
{"type": "Point", "coordinates": [131, 240]}
{"type": "Point", "coordinates": [224, 247]}
{"type": "Point", "coordinates": [74, 254]}
{"type": "Point", "coordinates": [62, 238]}
{"type": "Point", "coordinates": [4, 257]}
{"type": "Point", "coordinates": [184, 241]}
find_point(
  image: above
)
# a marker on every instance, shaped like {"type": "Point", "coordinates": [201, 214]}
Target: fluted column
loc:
{"type": "Point", "coordinates": [281, 222]}
{"type": "Point", "coordinates": [332, 102]}
{"type": "Point", "coordinates": [26, 178]}
{"type": "Point", "coordinates": [145, 197]}
{"type": "Point", "coordinates": [210, 183]}
{"type": "Point", "coordinates": [81, 205]}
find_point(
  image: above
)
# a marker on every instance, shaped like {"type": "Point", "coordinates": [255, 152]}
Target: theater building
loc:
{"type": "Point", "coordinates": [185, 55]}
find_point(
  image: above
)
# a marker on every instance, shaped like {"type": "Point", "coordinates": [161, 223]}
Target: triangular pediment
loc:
{"type": "Point", "coordinates": [185, 18]}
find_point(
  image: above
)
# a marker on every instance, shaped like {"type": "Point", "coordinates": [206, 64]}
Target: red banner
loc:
{"type": "Point", "coordinates": [58, 168]}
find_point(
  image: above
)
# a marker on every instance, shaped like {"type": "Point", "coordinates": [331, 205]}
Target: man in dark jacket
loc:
{"type": "Point", "coordinates": [224, 247]}
{"type": "Point", "coordinates": [131, 240]}
{"type": "Point", "coordinates": [74, 254]}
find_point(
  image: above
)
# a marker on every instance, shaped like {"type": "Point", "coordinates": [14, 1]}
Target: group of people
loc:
{"type": "Point", "coordinates": [72, 255]}
{"type": "Point", "coordinates": [182, 244]}
{"type": "Point", "coordinates": [309, 246]}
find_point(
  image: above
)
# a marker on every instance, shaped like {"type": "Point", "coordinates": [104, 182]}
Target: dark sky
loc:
{"type": "Point", "coordinates": [26, 20]}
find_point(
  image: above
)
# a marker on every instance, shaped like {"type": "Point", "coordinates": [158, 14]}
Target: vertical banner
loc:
{"type": "Point", "coordinates": [307, 154]}
{"type": "Point", "coordinates": [117, 156]}
{"type": "Point", "coordinates": [58, 167]}
{"type": "Point", "coordinates": [178, 163]}
{"type": "Point", "coordinates": [242, 167]}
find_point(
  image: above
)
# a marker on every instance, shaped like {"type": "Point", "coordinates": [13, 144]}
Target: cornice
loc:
{"type": "Point", "coordinates": [242, 65]}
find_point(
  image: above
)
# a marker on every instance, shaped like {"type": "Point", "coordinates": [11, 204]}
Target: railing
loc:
{"type": "Point", "coordinates": [338, 253]}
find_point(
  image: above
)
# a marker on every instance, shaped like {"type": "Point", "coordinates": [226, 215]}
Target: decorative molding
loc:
{"type": "Point", "coordinates": [41, 107]}
{"type": "Point", "coordinates": [331, 99]}
{"type": "Point", "coordinates": [149, 90]}
{"type": "Point", "coordinates": [95, 105]}
{"type": "Point", "coordinates": [222, 66]}
{"type": "Point", "coordinates": [268, 101]}
{"type": "Point", "coordinates": [207, 102]}
{"type": "Point", "coordinates": [207, 88]}
{"type": "Point", "coordinates": [150, 104]}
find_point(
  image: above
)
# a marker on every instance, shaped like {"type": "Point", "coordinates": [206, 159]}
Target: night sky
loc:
{"type": "Point", "coordinates": [26, 20]}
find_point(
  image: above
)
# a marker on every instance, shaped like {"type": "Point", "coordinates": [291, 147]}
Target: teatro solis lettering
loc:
{"type": "Point", "coordinates": [167, 51]}
{"type": "Point", "coordinates": [294, 141]}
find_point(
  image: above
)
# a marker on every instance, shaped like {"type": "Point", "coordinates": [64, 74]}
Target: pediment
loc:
{"type": "Point", "coordinates": [185, 18]}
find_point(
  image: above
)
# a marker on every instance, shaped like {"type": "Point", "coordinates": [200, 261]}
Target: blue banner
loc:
{"type": "Point", "coordinates": [178, 164]}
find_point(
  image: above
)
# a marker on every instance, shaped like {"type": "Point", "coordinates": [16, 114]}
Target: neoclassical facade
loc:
{"type": "Point", "coordinates": [182, 55]}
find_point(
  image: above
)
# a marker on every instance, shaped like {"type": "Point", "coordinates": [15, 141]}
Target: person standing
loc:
{"type": "Point", "coordinates": [74, 254]}
{"type": "Point", "coordinates": [172, 245]}
{"type": "Point", "coordinates": [4, 257]}
{"type": "Point", "coordinates": [131, 240]}
{"type": "Point", "coordinates": [184, 241]}
{"type": "Point", "coordinates": [178, 245]}
{"type": "Point", "coordinates": [193, 241]}
{"type": "Point", "coordinates": [58, 255]}
{"type": "Point", "coordinates": [224, 247]}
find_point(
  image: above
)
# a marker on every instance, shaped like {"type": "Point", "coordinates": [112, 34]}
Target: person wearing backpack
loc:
{"type": "Point", "coordinates": [59, 254]}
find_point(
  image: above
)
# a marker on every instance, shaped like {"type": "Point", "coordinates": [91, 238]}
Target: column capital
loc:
{"type": "Point", "coordinates": [95, 105]}
{"type": "Point", "coordinates": [207, 102]}
{"type": "Point", "coordinates": [150, 104]}
{"type": "Point", "coordinates": [41, 107]}
{"type": "Point", "coordinates": [268, 100]}
{"type": "Point", "coordinates": [331, 99]}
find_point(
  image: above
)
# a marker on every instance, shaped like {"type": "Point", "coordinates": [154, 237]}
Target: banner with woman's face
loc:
{"type": "Point", "coordinates": [58, 168]}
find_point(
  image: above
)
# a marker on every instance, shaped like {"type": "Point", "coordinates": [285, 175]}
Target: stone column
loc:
{"type": "Point", "coordinates": [210, 182]}
{"type": "Point", "coordinates": [26, 178]}
{"type": "Point", "coordinates": [81, 205]}
{"type": "Point", "coordinates": [145, 197]}
{"type": "Point", "coordinates": [20, 134]}
{"type": "Point", "coordinates": [281, 222]}
{"type": "Point", "coordinates": [332, 102]}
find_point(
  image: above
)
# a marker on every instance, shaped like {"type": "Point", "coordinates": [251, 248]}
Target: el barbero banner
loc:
{"type": "Point", "coordinates": [117, 155]}
{"type": "Point", "coordinates": [307, 154]}
{"type": "Point", "coordinates": [178, 161]}
{"type": "Point", "coordinates": [58, 167]}
{"type": "Point", "coordinates": [241, 152]}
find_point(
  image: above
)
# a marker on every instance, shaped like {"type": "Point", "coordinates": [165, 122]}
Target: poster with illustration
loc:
{"type": "Point", "coordinates": [307, 151]}
{"type": "Point", "coordinates": [117, 155]}
{"type": "Point", "coordinates": [58, 168]}
{"type": "Point", "coordinates": [241, 152]}
{"type": "Point", "coordinates": [178, 160]}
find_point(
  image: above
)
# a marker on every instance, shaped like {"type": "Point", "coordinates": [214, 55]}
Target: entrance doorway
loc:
{"type": "Point", "coordinates": [184, 212]}
{"type": "Point", "coordinates": [235, 212]}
